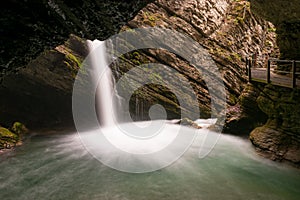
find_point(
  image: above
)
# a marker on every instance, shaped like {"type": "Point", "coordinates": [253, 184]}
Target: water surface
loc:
{"type": "Point", "coordinates": [59, 167]}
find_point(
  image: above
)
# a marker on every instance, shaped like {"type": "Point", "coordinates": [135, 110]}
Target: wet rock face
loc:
{"type": "Point", "coordinates": [40, 93]}
{"type": "Point", "coordinates": [243, 117]}
{"type": "Point", "coordinates": [226, 29]}
{"type": "Point", "coordinates": [279, 138]}
{"type": "Point", "coordinates": [276, 145]}
{"type": "Point", "coordinates": [289, 39]}
{"type": "Point", "coordinates": [285, 15]}
{"type": "Point", "coordinates": [29, 27]}
{"type": "Point", "coordinates": [277, 10]}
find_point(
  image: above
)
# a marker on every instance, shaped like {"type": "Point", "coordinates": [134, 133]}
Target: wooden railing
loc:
{"type": "Point", "coordinates": [289, 76]}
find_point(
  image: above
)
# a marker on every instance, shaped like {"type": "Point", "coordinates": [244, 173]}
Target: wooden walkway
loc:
{"type": "Point", "coordinates": [271, 75]}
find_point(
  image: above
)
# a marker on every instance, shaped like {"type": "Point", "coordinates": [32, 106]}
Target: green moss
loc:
{"type": "Point", "coordinates": [136, 54]}
{"type": "Point", "coordinates": [155, 77]}
{"type": "Point", "coordinates": [73, 63]}
{"type": "Point", "coordinates": [19, 128]}
{"type": "Point", "coordinates": [268, 43]}
{"type": "Point", "coordinates": [73, 59]}
{"type": "Point", "coordinates": [127, 28]}
{"type": "Point", "coordinates": [236, 56]}
{"type": "Point", "coordinates": [5, 133]}
{"type": "Point", "coordinates": [232, 99]}
{"type": "Point", "coordinates": [238, 12]}
{"type": "Point", "coordinates": [240, 19]}
{"type": "Point", "coordinates": [272, 29]}
{"type": "Point", "coordinates": [150, 19]}
{"type": "Point", "coordinates": [229, 58]}
{"type": "Point", "coordinates": [8, 139]}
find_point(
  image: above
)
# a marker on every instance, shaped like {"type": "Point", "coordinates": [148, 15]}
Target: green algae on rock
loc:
{"type": "Point", "coordinates": [13, 136]}
{"type": "Point", "coordinates": [8, 139]}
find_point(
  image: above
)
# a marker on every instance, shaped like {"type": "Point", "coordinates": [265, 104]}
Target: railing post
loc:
{"type": "Point", "coordinates": [269, 72]}
{"type": "Point", "coordinates": [247, 66]}
{"type": "Point", "coordinates": [293, 74]}
{"type": "Point", "coordinates": [249, 69]}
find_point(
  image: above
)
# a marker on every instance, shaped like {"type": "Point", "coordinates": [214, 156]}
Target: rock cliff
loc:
{"type": "Point", "coordinates": [39, 92]}
{"type": "Point", "coordinates": [37, 70]}
{"type": "Point", "coordinates": [30, 27]}
{"type": "Point", "coordinates": [285, 15]}
{"type": "Point", "coordinates": [279, 138]}
{"type": "Point", "coordinates": [226, 29]}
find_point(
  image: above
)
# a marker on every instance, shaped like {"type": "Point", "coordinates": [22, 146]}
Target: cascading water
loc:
{"type": "Point", "coordinates": [103, 77]}
{"type": "Point", "coordinates": [135, 147]}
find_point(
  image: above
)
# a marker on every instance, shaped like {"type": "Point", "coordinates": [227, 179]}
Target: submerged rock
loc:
{"type": "Point", "coordinates": [188, 122]}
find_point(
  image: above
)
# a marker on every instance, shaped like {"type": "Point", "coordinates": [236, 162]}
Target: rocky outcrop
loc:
{"type": "Point", "coordinates": [39, 94]}
{"type": "Point", "coordinates": [279, 138]}
{"type": "Point", "coordinates": [8, 139]}
{"type": "Point", "coordinates": [227, 30]}
{"type": "Point", "coordinates": [245, 116]}
{"type": "Point", "coordinates": [189, 123]}
{"type": "Point", "coordinates": [271, 115]}
{"type": "Point", "coordinates": [12, 137]}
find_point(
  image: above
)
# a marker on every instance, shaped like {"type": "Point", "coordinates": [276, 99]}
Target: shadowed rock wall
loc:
{"type": "Point", "coordinates": [285, 15]}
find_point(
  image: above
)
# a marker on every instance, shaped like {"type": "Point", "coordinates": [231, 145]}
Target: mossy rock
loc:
{"type": "Point", "coordinates": [8, 139]}
{"type": "Point", "coordinates": [19, 128]}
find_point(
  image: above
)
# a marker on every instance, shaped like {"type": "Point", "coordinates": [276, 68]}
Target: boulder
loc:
{"type": "Point", "coordinates": [243, 117]}
{"type": "Point", "coordinates": [276, 144]}
{"type": "Point", "coordinates": [8, 139]}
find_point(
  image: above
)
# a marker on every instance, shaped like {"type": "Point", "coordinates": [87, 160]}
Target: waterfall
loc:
{"type": "Point", "coordinates": [129, 146]}
{"type": "Point", "coordinates": [102, 77]}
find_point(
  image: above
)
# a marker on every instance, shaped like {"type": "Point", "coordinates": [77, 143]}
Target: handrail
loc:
{"type": "Point", "coordinates": [278, 60]}
{"type": "Point", "coordinates": [249, 66]}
